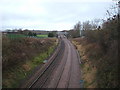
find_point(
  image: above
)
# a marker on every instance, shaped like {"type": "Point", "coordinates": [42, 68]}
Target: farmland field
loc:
{"type": "Point", "coordinates": [42, 36]}
{"type": "Point", "coordinates": [15, 35]}
{"type": "Point", "coordinates": [21, 35]}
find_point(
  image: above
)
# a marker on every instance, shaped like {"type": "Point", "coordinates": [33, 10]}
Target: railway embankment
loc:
{"type": "Point", "coordinates": [21, 56]}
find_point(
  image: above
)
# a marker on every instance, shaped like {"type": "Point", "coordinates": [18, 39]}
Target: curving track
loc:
{"type": "Point", "coordinates": [62, 70]}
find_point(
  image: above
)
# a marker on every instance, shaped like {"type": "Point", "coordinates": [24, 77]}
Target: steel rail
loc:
{"type": "Point", "coordinates": [50, 66]}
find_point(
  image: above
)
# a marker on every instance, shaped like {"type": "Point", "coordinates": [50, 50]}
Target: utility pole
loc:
{"type": "Point", "coordinates": [80, 33]}
{"type": "Point", "coordinates": [119, 7]}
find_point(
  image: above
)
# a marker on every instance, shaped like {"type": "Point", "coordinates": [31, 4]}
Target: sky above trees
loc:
{"type": "Point", "coordinates": [50, 14]}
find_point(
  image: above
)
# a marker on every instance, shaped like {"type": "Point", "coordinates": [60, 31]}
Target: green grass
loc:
{"type": "Point", "coordinates": [37, 60]}
{"type": "Point", "coordinates": [42, 36]}
{"type": "Point", "coordinates": [12, 36]}
{"type": "Point", "coordinates": [15, 35]}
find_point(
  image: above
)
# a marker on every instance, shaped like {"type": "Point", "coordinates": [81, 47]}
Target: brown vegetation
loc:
{"type": "Point", "coordinates": [99, 55]}
{"type": "Point", "coordinates": [19, 50]}
{"type": "Point", "coordinates": [21, 55]}
{"type": "Point", "coordinates": [100, 69]}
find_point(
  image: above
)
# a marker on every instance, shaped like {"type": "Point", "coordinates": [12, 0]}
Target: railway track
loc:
{"type": "Point", "coordinates": [62, 70]}
{"type": "Point", "coordinates": [63, 74]}
{"type": "Point", "coordinates": [44, 73]}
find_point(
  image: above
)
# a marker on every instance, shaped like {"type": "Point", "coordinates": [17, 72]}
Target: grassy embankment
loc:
{"type": "Point", "coordinates": [99, 56]}
{"type": "Point", "coordinates": [21, 56]}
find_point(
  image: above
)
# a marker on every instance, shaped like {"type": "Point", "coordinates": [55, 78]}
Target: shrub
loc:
{"type": "Point", "coordinates": [50, 35]}
{"type": "Point", "coordinates": [16, 51]}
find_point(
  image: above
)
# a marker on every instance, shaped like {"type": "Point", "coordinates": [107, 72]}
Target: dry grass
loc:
{"type": "Point", "coordinates": [21, 56]}
{"type": "Point", "coordinates": [97, 67]}
{"type": "Point", "coordinates": [88, 72]}
{"type": "Point", "coordinates": [26, 67]}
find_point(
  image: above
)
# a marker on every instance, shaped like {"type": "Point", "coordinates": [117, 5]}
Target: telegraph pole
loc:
{"type": "Point", "coordinates": [119, 8]}
{"type": "Point", "coordinates": [80, 32]}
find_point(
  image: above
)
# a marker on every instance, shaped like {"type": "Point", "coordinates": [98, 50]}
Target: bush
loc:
{"type": "Point", "coordinates": [21, 56]}
{"type": "Point", "coordinates": [32, 34]}
{"type": "Point", "coordinates": [16, 51]}
{"type": "Point", "coordinates": [50, 35]}
{"type": "Point", "coordinates": [101, 50]}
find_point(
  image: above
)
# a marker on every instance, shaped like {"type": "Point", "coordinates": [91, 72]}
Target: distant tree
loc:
{"type": "Point", "coordinates": [77, 26]}
{"type": "Point", "coordinates": [87, 25]}
{"type": "Point", "coordinates": [25, 32]}
{"type": "Point", "coordinates": [34, 34]}
{"type": "Point", "coordinates": [73, 33]}
{"type": "Point", "coordinates": [95, 24]}
{"type": "Point", "coordinates": [76, 30]}
{"type": "Point", "coordinates": [50, 35]}
{"type": "Point", "coordinates": [54, 32]}
{"type": "Point", "coordinates": [30, 33]}
{"type": "Point", "coordinates": [20, 31]}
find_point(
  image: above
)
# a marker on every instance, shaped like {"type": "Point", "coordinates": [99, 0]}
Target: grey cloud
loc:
{"type": "Point", "coordinates": [42, 15]}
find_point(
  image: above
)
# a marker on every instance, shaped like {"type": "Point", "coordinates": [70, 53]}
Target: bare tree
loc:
{"type": "Point", "coordinates": [87, 25]}
{"type": "Point", "coordinates": [95, 24]}
{"type": "Point", "coordinates": [113, 10]}
{"type": "Point", "coordinates": [77, 26]}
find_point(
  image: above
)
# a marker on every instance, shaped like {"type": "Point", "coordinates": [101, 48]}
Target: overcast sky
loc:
{"type": "Point", "coordinates": [50, 14]}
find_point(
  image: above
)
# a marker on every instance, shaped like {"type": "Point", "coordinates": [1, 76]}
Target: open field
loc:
{"type": "Point", "coordinates": [15, 35]}
{"type": "Point", "coordinates": [42, 36]}
{"type": "Point", "coordinates": [12, 36]}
